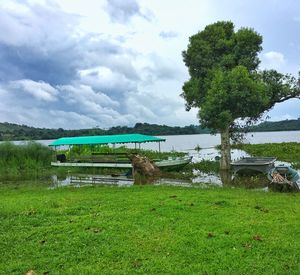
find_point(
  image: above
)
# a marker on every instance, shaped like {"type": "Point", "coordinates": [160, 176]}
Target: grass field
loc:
{"type": "Point", "coordinates": [148, 230]}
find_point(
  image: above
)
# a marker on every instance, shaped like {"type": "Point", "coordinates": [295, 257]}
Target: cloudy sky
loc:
{"type": "Point", "coordinates": [103, 63]}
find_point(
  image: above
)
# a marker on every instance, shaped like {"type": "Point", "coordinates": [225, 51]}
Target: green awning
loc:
{"type": "Point", "coordinates": [113, 139]}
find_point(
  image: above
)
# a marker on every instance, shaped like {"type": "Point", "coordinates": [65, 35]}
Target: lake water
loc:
{"type": "Point", "coordinates": [189, 142]}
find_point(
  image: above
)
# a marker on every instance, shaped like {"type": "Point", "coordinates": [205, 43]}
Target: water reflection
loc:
{"type": "Point", "coordinates": [201, 180]}
{"type": "Point", "coordinates": [90, 180]}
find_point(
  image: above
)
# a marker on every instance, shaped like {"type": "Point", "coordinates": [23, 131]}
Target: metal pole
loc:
{"type": "Point", "coordinates": [159, 146]}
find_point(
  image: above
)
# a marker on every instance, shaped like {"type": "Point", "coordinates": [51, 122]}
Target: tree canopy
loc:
{"type": "Point", "coordinates": [225, 81]}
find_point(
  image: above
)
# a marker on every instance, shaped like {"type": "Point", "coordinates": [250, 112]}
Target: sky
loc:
{"type": "Point", "coordinates": [103, 63]}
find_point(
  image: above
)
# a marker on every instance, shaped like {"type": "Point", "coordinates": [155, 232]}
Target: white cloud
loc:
{"type": "Point", "coordinates": [273, 60]}
{"type": "Point", "coordinates": [40, 90]}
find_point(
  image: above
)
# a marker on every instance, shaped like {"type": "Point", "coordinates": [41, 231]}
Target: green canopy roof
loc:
{"type": "Point", "coordinates": [128, 138]}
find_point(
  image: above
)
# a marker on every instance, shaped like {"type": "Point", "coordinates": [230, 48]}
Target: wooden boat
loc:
{"type": "Point", "coordinates": [110, 160]}
{"type": "Point", "coordinates": [177, 162]}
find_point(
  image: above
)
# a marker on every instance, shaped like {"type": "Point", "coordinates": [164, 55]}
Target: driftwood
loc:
{"type": "Point", "coordinates": [144, 170]}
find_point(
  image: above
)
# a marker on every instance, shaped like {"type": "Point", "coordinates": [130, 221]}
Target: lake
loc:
{"type": "Point", "coordinates": [189, 142]}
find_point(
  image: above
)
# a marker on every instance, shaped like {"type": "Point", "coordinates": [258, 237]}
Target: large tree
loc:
{"type": "Point", "coordinates": [226, 83]}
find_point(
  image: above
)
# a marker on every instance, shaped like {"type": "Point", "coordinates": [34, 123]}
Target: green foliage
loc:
{"type": "Point", "coordinates": [148, 230]}
{"type": "Point", "coordinates": [286, 151]}
{"type": "Point", "coordinates": [217, 48]}
{"type": "Point", "coordinates": [25, 160]}
{"type": "Point", "coordinates": [233, 94]}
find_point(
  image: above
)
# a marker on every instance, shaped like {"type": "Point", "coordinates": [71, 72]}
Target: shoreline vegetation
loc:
{"type": "Point", "coordinates": [10, 131]}
{"type": "Point", "coordinates": [32, 160]}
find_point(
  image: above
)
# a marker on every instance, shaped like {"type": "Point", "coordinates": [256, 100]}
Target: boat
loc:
{"type": "Point", "coordinates": [282, 177]}
{"type": "Point", "coordinates": [111, 160]}
{"type": "Point", "coordinates": [260, 164]}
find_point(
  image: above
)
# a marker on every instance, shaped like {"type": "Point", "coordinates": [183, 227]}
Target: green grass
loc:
{"type": "Point", "coordinates": [285, 151]}
{"type": "Point", "coordinates": [148, 230]}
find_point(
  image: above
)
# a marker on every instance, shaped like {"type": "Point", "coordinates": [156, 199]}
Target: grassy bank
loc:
{"type": "Point", "coordinates": [285, 151]}
{"type": "Point", "coordinates": [148, 229]}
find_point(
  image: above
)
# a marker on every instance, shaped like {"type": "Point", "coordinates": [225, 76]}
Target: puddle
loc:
{"type": "Point", "coordinates": [91, 180]}
{"type": "Point", "coordinates": [207, 178]}
{"type": "Point", "coordinates": [212, 153]}
{"type": "Point", "coordinates": [80, 180]}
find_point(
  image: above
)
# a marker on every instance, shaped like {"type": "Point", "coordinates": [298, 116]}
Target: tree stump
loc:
{"type": "Point", "coordinates": [144, 170]}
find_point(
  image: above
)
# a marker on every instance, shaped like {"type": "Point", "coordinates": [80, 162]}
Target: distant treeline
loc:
{"type": "Point", "coordinates": [284, 125]}
{"type": "Point", "coordinates": [9, 131]}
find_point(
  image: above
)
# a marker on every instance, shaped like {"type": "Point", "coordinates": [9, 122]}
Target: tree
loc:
{"type": "Point", "coordinates": [226, 84]}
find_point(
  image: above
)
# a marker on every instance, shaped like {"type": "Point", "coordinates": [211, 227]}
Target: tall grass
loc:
{"type": "Point", "coordinates": [26, 160]}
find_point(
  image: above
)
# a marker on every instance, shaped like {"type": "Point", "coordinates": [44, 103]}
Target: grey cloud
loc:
{"type": "Point", "coordinates": [42, 44]}
{"type": "Point", "coordinates": [121, 11]}
{"type": "Point", "coordinates": [161, 69]}
{"type": "Point", "coordinates": [21, 103]}
{"type": "Point", "coordinates": [50, 76]}
{"type": "Point", "coordinates": [112, 83]}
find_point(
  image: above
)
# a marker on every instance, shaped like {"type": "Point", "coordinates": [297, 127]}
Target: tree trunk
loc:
{"type": "Point", "coordinates": [225, 150]}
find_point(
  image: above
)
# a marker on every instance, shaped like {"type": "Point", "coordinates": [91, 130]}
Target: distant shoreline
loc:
{"type": "Point", "coordinates": [10, 131]}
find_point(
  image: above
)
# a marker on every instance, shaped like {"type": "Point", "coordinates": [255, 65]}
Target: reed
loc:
{"type": "Point", "coordinates": [25, 160]}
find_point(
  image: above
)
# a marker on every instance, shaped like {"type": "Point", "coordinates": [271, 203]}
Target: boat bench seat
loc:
{"type": "Point", "coordinates": [103, 158]}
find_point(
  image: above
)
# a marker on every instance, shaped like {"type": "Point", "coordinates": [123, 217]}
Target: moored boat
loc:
{"type": "Point", "coordinates": [283, 177]}
{"type": "Point", "coordinates": [111, 160]}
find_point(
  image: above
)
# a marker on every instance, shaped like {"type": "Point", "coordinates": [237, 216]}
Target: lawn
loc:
{"type": "Point", "coordinates": [148, 229]}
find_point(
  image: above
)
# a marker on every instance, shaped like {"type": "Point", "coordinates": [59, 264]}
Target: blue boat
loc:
{"type": "Point", "coordinates": [284, 176]}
